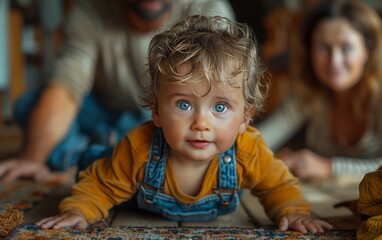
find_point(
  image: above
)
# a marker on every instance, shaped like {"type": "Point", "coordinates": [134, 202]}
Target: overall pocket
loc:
{"type": "Point", "coordinates": [194, 216]}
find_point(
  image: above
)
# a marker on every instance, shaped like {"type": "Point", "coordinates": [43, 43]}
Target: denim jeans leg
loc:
{"type": "Point", "coordinates": [129, 120]}
{"type": "Point", "coordinates": [93, 125]}
{"type": "Point", "coordinates": [96, 121]}
{"type": "Point", "coordinates": [63, 155]}
{"type": "Point", "coordinates": [67, 153]}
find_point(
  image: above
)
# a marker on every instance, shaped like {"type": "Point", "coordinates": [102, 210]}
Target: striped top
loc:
{"type": "Point", "coordinates": [363, 157]}
{"type": "Point", "coordinates": [102, 54]}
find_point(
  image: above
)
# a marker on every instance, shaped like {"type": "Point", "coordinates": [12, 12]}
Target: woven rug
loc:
{"type": "Point", "coordinates": [29, 231]}
{"type": "Point", "coordinates": [24, 194]}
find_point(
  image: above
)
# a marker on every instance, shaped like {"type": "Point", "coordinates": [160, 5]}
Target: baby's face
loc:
{"type": "Point", "coordinates": [197, 123]}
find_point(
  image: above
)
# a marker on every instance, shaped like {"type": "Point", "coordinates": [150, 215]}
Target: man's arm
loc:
{"type": "Point", "coordinates": [47, 126]}
{"type": "Point", "coordinates": [59, 103]}
{"type": "Point", "coordinates": [49, 123]}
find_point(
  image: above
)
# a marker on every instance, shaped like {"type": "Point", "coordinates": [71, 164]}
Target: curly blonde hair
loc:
{"type": "Point", "coordinates": [216, 47]}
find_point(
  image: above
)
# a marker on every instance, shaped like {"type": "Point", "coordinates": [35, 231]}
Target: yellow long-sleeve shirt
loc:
{"type": "Point", "coordinates": [113, 180]}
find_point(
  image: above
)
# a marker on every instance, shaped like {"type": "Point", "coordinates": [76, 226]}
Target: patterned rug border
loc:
{"type": "Point", "coordinates": [30, 231]}
{"type": "Point", "coordinates": [24, 194]}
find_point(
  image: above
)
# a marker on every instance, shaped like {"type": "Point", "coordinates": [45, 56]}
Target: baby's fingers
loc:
{"type": "Point", "coordinates": [70, 222]}
{"type": "Point", "coordinates": [324, 225]}
{"type": "Point", "coordinates": [283, 224]}
{"type": "Point", "coordinates": [63, 221]}
{"type": "Point", "coordinates": [48, 222]}
{"type": "Point", "coordinates": [316, 225]}
{"type": "Point", "coordinates": [298, 226]}
{"type": "Point", "coordinates": [286, 223]}
{"type": "Point", "coordinates": [311, 226]}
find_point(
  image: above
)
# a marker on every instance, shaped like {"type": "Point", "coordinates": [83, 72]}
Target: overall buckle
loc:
{"type": "Point", "coordinates": [219, 192]}
{"type": "Point", "coordinates": [145, 199]}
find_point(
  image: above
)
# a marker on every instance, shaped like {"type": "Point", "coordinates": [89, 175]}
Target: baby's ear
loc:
{"type": "Point", "coordinates": [249, 113]}
{"type": "Point", "coordinates": [155, 115]}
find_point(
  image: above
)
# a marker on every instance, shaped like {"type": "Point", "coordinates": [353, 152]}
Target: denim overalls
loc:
{"type": "Point", "coordinates": [224, 200]}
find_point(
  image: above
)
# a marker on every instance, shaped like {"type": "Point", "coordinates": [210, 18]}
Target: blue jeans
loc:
{"type": "Point", "coordinates": [88, 137]}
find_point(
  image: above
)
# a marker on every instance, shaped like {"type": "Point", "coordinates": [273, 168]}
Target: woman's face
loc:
{"type": "Point", "coordinates": [338, 54]}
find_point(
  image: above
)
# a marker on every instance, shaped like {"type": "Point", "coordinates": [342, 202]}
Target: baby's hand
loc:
{"type": "Point", "coordinates": [303, 224]}
{"type": "Point", "coordinates": [72, 219]}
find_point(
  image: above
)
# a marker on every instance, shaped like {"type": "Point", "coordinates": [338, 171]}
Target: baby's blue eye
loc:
{"type": "Point", "coordinates": [183, 105]}
{"type": "Point", "coordinates": [220, 107]}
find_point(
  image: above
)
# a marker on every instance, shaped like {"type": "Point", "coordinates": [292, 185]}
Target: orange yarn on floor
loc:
{"type": "Point", "coordinates": [11, 218]}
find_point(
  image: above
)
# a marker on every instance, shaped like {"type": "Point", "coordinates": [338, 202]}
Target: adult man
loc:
{"type": "Point", "coordinates": [92, 98]}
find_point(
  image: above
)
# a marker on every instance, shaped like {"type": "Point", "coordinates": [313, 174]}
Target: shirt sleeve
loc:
{"type": "Point", "coordinates": [74, 68]}
{"type": "Point", "coordinates": [270, 180]}
{"type": "Point", "coordinates": [107, 182]}
{"type": "Point", "coordinates": [280, 193]}
{"type": "Point", "coordinates": [354, 166]}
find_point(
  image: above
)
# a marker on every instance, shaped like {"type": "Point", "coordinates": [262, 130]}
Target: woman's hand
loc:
{"type": "Point", "coordinates": [73, 219]}
{"type": "Point", "coordinates": [307, 165]}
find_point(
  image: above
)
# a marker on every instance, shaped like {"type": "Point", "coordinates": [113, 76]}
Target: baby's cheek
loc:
{"type": "Point", "coordinates": [226, 138]}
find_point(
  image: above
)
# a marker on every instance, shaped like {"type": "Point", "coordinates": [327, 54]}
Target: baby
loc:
{"type": "Point", "coordinates": [192, 159]}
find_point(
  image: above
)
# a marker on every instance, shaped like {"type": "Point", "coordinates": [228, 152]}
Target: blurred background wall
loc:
{"type": "Point", "coordinates": [31, 34]}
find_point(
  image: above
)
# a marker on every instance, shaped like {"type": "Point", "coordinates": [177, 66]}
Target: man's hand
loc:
{"type": "Point", "coordinates": [303, 224]}
{"type": "Point", "coordinates": [73, 219]}
{"type": "Point", "coordinates": [15, 168]}
{"type": "Point", "coordinates": [56, 107]}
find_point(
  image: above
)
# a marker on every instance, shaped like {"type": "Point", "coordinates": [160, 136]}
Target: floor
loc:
{"type": "Point", "coordinates": [322, 195]}
{"type": "Point", "coordinates": [10, 139]}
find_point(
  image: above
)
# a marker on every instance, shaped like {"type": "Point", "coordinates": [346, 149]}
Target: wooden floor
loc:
{"type": "Point", "coordinates": [10, 139]}
{"type": "Point", "coordinates": [322, 195]}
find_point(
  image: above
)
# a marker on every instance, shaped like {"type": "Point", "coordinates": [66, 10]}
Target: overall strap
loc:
{"type": "Point", "coordinates": [227, 170]}
{"type": "Point", "coordinates": [156, 166]}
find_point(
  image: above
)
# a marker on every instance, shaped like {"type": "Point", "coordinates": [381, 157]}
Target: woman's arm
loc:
{"type": "Point", "coordinates": [282, 124]}
{"type": "Point", "coordinates": [354, 166]}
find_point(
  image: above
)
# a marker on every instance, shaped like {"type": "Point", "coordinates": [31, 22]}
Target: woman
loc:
{"type": "Point", "coordinates": [337, 84]}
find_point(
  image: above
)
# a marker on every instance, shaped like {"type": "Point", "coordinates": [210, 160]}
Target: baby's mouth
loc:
{"type": "Point", "coordinates": [199, 143]}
